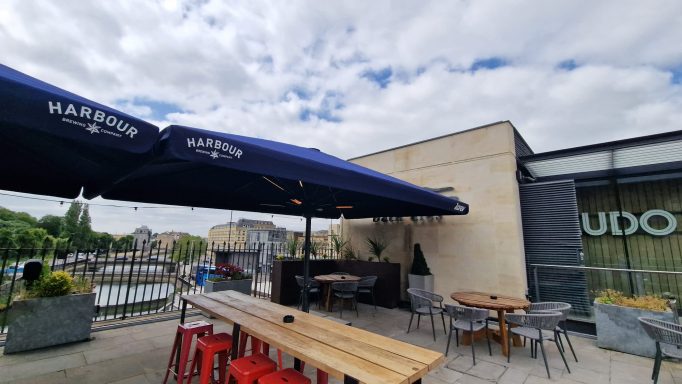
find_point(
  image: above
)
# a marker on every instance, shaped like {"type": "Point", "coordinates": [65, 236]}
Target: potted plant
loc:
{"type": "Point", "coordinates": [229, 277]}
{"type": "Point", "coordinates": [420, 276]}
{"type": "Point", "coordinates": [53, 310]}
{"type": "Point", "coordinates": [617, 325]}
{"type": "Point", "coordinates": [376, 246]}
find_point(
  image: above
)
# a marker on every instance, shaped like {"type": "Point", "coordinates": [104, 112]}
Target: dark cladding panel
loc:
{"type": "Point", "coordinates": [551, 233]}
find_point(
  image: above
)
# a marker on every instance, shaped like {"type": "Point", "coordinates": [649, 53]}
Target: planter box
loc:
{"type": "Point", "coordinates": [420, 282]}
{"type": "Point", "coordinates": [48, 321]}
{"type": "Point", "coordinates": [243, 286]}
{"type": "Point", "coordinates": [618, 329]}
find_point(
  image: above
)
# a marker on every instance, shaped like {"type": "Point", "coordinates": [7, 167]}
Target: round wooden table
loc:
{"type": "Point", "coordinates": [326, 283]}
{"type": "Point", "coordinates": [501, 304]}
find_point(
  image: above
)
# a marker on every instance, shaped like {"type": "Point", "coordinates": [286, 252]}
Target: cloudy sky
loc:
{"type": "Point", "coordinates": [354, 77]}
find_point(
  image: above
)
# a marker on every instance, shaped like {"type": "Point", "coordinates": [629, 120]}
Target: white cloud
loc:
{"type": "Point", "coordinates": [253, 68]}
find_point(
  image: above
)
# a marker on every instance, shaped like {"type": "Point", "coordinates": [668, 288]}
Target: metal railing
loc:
{"type": "Point", "coordinates": [133, 282]}
{"type": "Point", "coordinates": [579, 285]}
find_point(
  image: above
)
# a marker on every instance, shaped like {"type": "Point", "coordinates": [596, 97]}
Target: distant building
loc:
{"type": "Point", "coordinates": [256, 224]}
{"type": "Point", "coordinates": [167, 238]}
{"type": "Point", "coordinates": [222, 235]}
{"type": "Point", "coordinates": [274, 237]}
{"type": "Point", "coordinates": [142, 237]}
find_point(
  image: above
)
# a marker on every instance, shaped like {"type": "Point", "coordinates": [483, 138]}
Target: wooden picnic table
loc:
{"type": "Point", "coordinates": [499, 303]}
{"type": "Point", "coordinates": [347, 353]}
{"type": "Point", "coordinates": [326, 284]}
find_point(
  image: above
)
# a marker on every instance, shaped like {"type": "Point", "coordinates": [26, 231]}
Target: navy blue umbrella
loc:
{"type": "Point", "coordinates": [195, 167]}
{"type": "Point", "coordinates": [54, 142]}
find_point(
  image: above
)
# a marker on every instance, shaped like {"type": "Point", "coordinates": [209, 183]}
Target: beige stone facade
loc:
{"type": "Point", "coordinates": [482, 251]}
{"type": "Point", "coordinates": [221, 235]}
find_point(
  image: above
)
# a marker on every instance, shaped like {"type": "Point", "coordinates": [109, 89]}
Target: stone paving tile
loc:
{"type": "Point", "coordinates": [445, 374]}
{"type": "Point", "coordinates": [487, 371]}
{"type": "Point", "coordinates": [513, 376]}
{"type": "Point", "coordinates": [42, 367]}
{"type": "Point", "coordinates": [58, 377]}
{"type": "Point", "coordinates": [468, 379]}
{"type": "Point", "coordinates": [105, 371]}
{"type": "Point", "coordinates": [586, 376]}
{"type": "Point", "coordinates": [140, 379]}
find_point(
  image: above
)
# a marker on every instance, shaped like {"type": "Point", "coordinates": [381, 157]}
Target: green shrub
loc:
{"type": "Point", "coordinates": [419, 266]}
{"type": "Point", "coordinates": [58, 283]}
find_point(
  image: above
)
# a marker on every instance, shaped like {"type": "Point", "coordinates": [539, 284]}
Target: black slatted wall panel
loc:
{"type": "Point", "coordinates": [551, 234]}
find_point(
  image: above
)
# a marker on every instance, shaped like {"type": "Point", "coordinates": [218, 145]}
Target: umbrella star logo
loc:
{"type": "Point", "coordinates": [214, 154]}
{"type": "Point", "coordinates": [93, 128]}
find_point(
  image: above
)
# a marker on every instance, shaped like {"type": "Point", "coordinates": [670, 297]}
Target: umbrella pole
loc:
{"type": "Point", "coordinates": [306, 264]}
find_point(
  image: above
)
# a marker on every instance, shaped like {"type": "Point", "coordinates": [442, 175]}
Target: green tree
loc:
{"type": "Point", "coordinates": [188, 248]}
{"type": "Point", "coordinates": [7, 239]}
{"type": "Point", "coordinates": [102, 240]}
{"type": "Point", "coordinates": [71, 218]}
{"type": "Point", "coordinates": [84, 231]}
{"type": "Point", "coordinates": [52, 224]}
{"type": "Point", "coordinates": [31, 238]}
{"type": "Point", "coordinates": [124, 243]}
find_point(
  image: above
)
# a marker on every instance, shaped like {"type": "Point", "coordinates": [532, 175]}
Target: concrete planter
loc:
{"type": "Point", "coordinates": [420, 282]}
{"type": "Point", "coordinates": [243, 286]}
{"type": "Point", "coordinates": [618, 329]}
{"type": "Point", "coordinates": [47, 321]}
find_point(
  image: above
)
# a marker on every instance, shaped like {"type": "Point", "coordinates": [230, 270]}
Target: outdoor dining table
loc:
{"type": "Point", "coordinates": [326, 283]}
{"type": "Point", "coordinates": [346, 353]}
{"type": "Point", "coordinates": [499, 303]}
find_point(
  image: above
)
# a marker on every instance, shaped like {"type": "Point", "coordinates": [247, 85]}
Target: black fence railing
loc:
{"type": "Point", "coordinates": [143, 280]}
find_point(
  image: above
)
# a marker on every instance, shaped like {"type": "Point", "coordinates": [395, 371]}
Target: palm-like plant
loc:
{"type": "Point", "coordinates": [338, 244]}
{"type": "Point", "coordinates": [292, 247]}
{"type": "Point", "coordinates": [376, 246]}
{"type": "Point", "coordinates": [315, 248]}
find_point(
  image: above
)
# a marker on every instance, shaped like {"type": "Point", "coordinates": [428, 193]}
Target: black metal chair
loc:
{"type": "Point", "coordinates": [467, 319]}
{"type": "Point", "coordinates": [538, 327]}
{"type": "Point", "coordinates": [366, 286]}
{"type": "Point", "coordinates": [346, 290]}
{"type": "Point", "coordinates": [422, 303]}
{"type": "Point", "coordinates": [564, 309]}
{"type": "Point", "coordinates": [313, 289]}
{"type": "Point", "coordinates": [668, 338]}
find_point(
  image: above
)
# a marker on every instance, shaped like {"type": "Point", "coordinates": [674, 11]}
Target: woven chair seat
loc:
{"type": "Point", "coordinates": [466, 325]}
{"type": "Point", "coordinates": [344, 295]}
{"type": "Point", "coordinates": [671, 351]}
{"type": "Point", "coordinates": [425, 310]}
{"type": "Point", "coordinates": [532, 333]}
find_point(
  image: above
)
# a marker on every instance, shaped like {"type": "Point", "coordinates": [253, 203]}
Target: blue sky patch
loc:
{"type": "Point", "coordinates": [568, 65]}
{"type": "Point", "coordinates": [381, 77]}
{"type": "Point", "coordinates": [488, 63]}
{"type": "Point", "coordinates": [677, 75]}
{"type": "Point", "coordinates": [331, 102]}
{"type": "Point", "coordinates": [160, 109]}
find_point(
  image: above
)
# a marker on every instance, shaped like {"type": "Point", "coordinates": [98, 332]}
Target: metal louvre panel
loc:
{"type": "Point", "coordinates": [658, 153]}
{"type": "Point", "coordinates": [551, 235]}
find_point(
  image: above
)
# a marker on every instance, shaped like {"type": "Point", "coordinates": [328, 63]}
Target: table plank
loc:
{"type": "Point", "coordinates": [336, 278]}
{"type": "Point", "coordinates": [335, 362]}
{"type": "Point", "coordinates": [425, 356]}
{"type": "Point", "coordinates": [318, 328]}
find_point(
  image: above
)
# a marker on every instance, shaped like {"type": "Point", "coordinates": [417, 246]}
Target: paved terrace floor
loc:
{"type": "Point", "coordinates": [138, 354]}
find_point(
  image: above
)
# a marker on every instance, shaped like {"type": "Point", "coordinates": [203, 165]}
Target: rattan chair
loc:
{"type": "Point", "coordinates": [340, 273]}
{"type": "Point", "coordinates": [313, 289]}
{"type": "Point", "coordinates": [470, 320]}
{"type": "Point", "coordinates": [346, 290]}
{"type": "Point", "coordinates": [668, 338]}
{"type": "Point", "coordinates": [564, 309]}
{"type": "Point", "coordinates": [366, 286]}
{"type": "Point", "coordinates": [422, 303]}
{"type": "Point", "coordinates": [538, 327]}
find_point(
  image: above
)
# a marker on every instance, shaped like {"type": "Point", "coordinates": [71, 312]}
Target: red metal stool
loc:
{"type": "Point", "coordinates": [256, 344]}
{"type": "Point", "coordinates": [322, 376]}
{"type": "Point", "coordinates": [207, 348]}
{"type": "Point", "coordinates": [246, 370]}
{"type": "Point", "coordinates": [183, 338]}
{"type": "Point", "coordinates": [285, 376]}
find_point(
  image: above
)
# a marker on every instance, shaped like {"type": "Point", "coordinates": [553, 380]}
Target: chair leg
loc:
{"type": "Point", "coordinates": [374, 302]}
{"type": "Point", "coordinates": [355, 301]}
{"type": "Point", "coordinates": [657, 362]}
{"type": "Point", "coordinates": [562, 356]}
{"type": "Point", "coordinates": [473, 350]}
{"type": "Point", "coordinates": [544, 357]}
{"type": "Point", "coordinates": [487, 337]}
{"type": "Point", "coordinates": [570, 345]}
{"type": "Point", "coordinates": [341, 310]}
{"type": "Point", "coordinates": [433, 328]}
{"type": "Point", "coordinates": [509, 342]}
{"type": "Point", "coordinates": [447, 347]}
{"type": "Point", "coordinates": [409, 325]}
{"type": "Point", "coordinates": [557, 335]}
{"type": "Point", "coordinates": [457, 336]}
{"type": "Point", "coordinates": [442, 317]}
{"type": "Point", "coordinates": [419, 317]}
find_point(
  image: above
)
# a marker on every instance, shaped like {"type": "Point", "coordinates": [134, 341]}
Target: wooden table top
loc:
{"type": "Point", "coordinates": [483, 300]}
{"type": "Point", "coordinates": [335, 348]}
{"type": "Point", "coordinates": [335, 278]}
